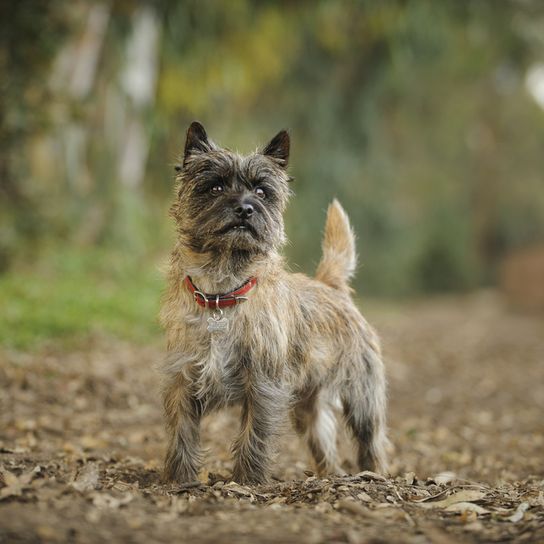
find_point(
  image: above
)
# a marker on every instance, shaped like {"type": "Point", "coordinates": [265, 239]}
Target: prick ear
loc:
{"type": "Point", "coordinates": [197, 140]}
{"type": "Point", "coordinates": [278, 148]}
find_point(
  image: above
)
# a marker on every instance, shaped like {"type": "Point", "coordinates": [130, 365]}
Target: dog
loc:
{"type": "Point", "coordinates": [243, 330]}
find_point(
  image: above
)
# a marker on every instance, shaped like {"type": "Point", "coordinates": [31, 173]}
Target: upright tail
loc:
{"type": "Point", "coordinates": [339, 258]}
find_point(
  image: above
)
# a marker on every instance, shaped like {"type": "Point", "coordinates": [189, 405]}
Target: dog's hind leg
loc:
{"type": "Point", "coordinates": [364, 403]}
{"type": "Point", "coordinates": [314, 420]}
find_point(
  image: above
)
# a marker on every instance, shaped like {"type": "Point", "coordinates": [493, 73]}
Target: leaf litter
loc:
{"type": "Point", "coordinates": [81, 444]}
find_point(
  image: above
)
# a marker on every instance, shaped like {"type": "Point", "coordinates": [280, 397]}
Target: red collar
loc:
{"type": "Point", "coordinates": [220, 301]}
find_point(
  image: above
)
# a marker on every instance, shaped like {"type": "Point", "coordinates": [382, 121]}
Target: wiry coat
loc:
{"type": "Point", "coordinates": [296, 347]}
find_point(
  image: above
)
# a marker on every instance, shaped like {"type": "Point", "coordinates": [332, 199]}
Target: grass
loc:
{"type": "Point", "coordinates": [70, 295]}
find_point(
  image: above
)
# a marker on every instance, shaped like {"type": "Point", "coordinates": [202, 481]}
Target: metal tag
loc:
{"type": "Point", "coordinates": [218, 324]}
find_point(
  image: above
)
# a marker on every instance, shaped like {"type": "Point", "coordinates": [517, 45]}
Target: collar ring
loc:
{"type": "Point", "coordinates": [197, 293]}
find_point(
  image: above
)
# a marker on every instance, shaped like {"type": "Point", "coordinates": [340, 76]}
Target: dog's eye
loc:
{"type": "Point", "coordinates": [259, 191]}
{"type": "Point", "coordinates": [216, 189]}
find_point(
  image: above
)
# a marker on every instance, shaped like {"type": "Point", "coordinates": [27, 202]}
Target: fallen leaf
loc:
{"type": "Point", "coordinates": [466, 507]}
{"type": "Point", "coordinates": [352, 507]}
{"type": "Point", "coordinates": [519, 513]}
{"type": "Point", "coordinates": [9, 478]}
{"type": "Point", "coordinates": [125, 486]}
{"type": "Point", "coordinates": [13, 485]}
{"type": "Point", "coordinates": [364, 497]}
{"type": "Point", "coordinates": [238, 489]}
{"type": "Point", "coordinates": [467, 495]}
{"type": "Point", "coordinates": [87, 479]}
{"type": "Point", "coordinates": [444, 478]}
{"type": "Point", "coordinates": [369, 475]}
{"type": "Point", "coordinates": [16, 484]}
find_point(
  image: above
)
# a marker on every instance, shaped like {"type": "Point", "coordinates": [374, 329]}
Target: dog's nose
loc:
{"type": "Point", "coordinates": [244, 211]}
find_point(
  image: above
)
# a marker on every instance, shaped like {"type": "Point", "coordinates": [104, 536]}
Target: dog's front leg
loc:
{"type": "Point", "coordinates": [183, 413]}
{"type": "Point", "coordinates": [263, 410]}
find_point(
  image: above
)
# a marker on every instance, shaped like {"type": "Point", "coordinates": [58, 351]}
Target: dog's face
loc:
{"type": "Point", "coordinates": [229, 203]}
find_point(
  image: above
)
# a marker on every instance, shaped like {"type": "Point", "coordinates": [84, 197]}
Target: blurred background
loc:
{"type": "Point", "coordinates": [425, 118]}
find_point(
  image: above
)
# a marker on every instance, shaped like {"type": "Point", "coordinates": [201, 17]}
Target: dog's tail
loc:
{"type": "Point", "coordinates": [339, 258]}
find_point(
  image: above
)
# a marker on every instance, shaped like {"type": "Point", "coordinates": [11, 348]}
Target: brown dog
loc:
{"type": "Point", "coordinates": [241, 329]}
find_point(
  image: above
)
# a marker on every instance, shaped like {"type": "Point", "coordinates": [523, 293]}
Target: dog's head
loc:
{"type": "Point", "coordinates": [227, 203]}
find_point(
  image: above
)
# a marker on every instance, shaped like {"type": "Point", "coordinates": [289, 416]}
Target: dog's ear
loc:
{"type": "Point", "coordinates": [197, 140]}
{"type": "Point", "coordinates": [278, 148]}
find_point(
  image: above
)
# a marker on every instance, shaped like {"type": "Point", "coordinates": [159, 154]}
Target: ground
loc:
{"type": "Point", "coordinates": [81, 443]}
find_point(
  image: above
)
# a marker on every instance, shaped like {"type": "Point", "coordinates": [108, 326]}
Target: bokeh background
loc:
{"type": "Point", "coordinates": [425, 118]}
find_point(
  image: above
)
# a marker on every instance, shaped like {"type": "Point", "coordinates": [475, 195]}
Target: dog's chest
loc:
{"type": "Point", "coordinates": [221, 367]}
{"type": "Point", "coordinates": [253, 346]}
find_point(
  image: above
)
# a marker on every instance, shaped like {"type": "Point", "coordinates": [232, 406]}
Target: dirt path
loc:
{"type": "Point", "coordinates": [81, 443]}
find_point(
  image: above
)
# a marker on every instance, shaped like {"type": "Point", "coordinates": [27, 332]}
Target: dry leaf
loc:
{"type": "Point", "coordinates": [238, 489]}
{"type": "Point", "coordinates": [466, 507]}
{"type": "Point", "coordinates": [364, 497]}
{"type": "Point", "coordinates": [369, 475]}
{"type": "Point", "coordinates": [16, 484]}
{"type": "Point", "coordinates": [352, 507]}
{"type": "Point", "coordinates": [87, 479]}
{"type": "Point", "coordinates": [13, 485]}
{"type": "Point", "coordinates": [9, 478]}
{"type": "Point", "coordinates": [444, 478]}
{"type": "Point", "coordinates": [467, 495]}
{"type": "Point", "coordinates": [519, 513]}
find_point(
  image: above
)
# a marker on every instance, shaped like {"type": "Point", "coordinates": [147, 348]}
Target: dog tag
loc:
{"type": "Point", "coordinates": [218, 324]}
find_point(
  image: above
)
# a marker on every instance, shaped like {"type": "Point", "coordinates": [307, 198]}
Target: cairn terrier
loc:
{"type": "Point", "coordinates": [242, 330]}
